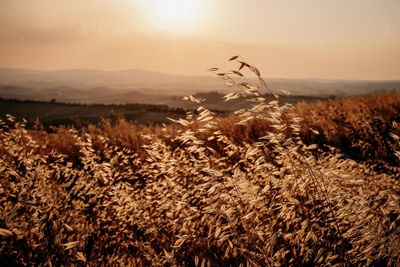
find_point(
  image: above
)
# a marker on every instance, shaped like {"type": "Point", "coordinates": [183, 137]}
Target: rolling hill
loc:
{"type": "Point", "coordinates": [139, 86]}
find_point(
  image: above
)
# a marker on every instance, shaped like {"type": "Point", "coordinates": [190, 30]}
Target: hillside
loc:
{"type": "Point", "coordinates": [56, 114]}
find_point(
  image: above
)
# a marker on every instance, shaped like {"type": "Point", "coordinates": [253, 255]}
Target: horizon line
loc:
{"type": "Point", "coordinates": [190, 75]}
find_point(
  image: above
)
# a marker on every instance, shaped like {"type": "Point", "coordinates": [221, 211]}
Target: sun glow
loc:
{"type": "Point", "coordinates": [175, 15]}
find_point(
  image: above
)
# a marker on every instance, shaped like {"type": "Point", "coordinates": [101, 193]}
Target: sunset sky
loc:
{"type": "Point", "coordinates": [341, 39]}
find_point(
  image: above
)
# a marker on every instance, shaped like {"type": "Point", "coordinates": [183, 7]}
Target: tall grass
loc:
{"type": "Point", "coordinates": [359, 126]}
{"type": "Point", "coordinates": [238, 191]}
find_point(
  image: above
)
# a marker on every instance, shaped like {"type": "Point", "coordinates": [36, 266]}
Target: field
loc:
{"type": "Point", "coordinates": [56, 114]}
{"type": "Point", "coordinates": [53, 113]}
{"type": "Point", "coordinates": [272, 184]}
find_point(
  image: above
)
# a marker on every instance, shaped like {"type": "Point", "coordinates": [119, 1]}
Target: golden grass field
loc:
{"type": "Point", "coordinates": [273, 185]}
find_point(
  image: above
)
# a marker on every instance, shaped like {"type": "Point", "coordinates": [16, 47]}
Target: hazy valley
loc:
{"type": "Point", "coordinates": [138, 86]}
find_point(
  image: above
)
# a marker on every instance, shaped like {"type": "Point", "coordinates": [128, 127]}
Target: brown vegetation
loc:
{"type": "Point", "coordinates": [242, 190]}
{"type": "Point", "coordinates": [360, 126]}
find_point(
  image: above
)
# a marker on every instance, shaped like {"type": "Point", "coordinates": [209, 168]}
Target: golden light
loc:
{"type": "Point", "coordinates": [175, 15]}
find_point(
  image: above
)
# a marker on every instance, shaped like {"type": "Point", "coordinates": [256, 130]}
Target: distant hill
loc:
{"type": "Point", "coordinates": [151, 82]}
{"type": "Point", "coordinates": [139, 86]}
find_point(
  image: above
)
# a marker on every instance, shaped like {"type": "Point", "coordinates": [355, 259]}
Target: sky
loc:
{"type": "Point", "coordinates": [358, 39]}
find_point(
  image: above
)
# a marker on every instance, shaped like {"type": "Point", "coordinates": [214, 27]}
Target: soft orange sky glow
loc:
{"type": "Point", "coordinates": [295, 39]}
{"type": "Point", "coordinates": [174, 15]}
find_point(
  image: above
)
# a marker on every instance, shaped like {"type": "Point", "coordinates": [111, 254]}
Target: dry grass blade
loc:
{"type": "Point", "coordinates": [80, 256]}
{"type": "Point", "coordinates": [233, 58]}
{"type": "Point", "coordinates": [311, 147]}
{"type": "Point", "coordinates": [314, 131]}
{"type": "Point", "coordinates": [178, 243]}
{"type": "Point", "coordinates": [69, 228]}
{"type": "Point", "coordinates": [237, 72]}
{"type": "Point", "coordinates": [256, 71]}
{"type": "Point", "coordinates": [5, 232]}
{"type": "Point", "coordinates": [70, 245]}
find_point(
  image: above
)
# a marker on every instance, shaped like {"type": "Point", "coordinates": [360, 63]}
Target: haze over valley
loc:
{"type": "Point", "coordinates": [140, 86]}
